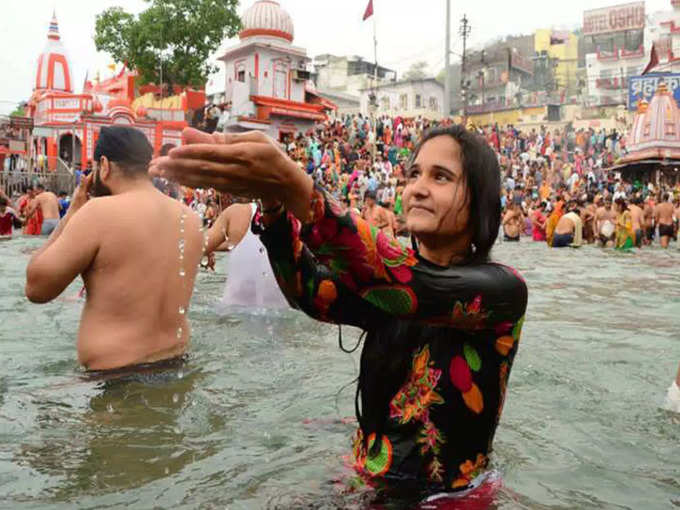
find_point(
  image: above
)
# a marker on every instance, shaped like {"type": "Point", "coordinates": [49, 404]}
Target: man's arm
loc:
{"type": "Point", "coordinates": [68, 252]}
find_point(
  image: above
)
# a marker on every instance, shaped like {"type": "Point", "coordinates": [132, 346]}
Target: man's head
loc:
{"type": "Point", "coordinates": [39, 188]}
{"type": "Point", "coordinates": [3, 204]}
{"type": "Point", "coordinates": [370, 198]}
{"type": "Point", "coordinates": [122, 154]}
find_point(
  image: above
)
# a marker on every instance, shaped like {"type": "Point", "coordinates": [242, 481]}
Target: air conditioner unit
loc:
{"type": "Point", "coordinates": [301, 75]}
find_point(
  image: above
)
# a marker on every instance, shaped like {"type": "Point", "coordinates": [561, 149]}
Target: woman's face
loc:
{"type": "Point", "coordinates": [436, 197]}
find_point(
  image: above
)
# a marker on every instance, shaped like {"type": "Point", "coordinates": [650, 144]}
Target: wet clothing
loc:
{"type": "Point", "coordinates": [462, 326]}
{"type": "Point", "coordinates": [155, 372]}
{"type": "Point", "coordinates": [638, 238]}
{"type": "Point", "coordinates": [562, 240]}
{"type": "Point", "coordinates": [7, 220]}
{"type": "Point", "coordinates": [48, 226]}
{"type": "Point", "coordinates": [665, 230]}
{"type": "Point", "coordinates": [251, 284]}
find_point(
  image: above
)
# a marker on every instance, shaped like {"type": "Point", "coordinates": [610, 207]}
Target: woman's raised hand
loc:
{"type": "Point", "coordinates": [248, 165]}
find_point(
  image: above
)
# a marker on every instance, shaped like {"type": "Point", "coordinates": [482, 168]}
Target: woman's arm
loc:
{"type": "Point", "coordinates": [335, 266]}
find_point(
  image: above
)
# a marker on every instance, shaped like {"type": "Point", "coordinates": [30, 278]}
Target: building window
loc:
{"type": "Point", "coordinates": [403, 102]}
{"type": "Point", "coordinates": [280, 79]}
{"type": "Point", "coordinates": [419, 101]}
{"type": "Point", "coordinates": [240, 71]}
{"type": "Point", "coordinates": [434, 104]}
{"type": "Point", "coordinates": [385, 103]}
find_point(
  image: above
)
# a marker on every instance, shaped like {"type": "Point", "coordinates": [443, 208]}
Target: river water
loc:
{"type": "Point", "coordinates": [258, 417]}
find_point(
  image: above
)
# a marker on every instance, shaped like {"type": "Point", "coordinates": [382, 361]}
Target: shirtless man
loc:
{"type": "Point", "coordinates": [588, 218]}
{"type": "Point", "coordinates": [512, 222]}
{"type": "Point", "coordinates": [569, 229]}
{"type": "Point", "coordinates": [605, 220]}
{"type": "Point", "coordinates": [49, 204]}
{"type": "Point", "coordinates": [376, 215]}
{"type": "Point", "coordinates": [636, 216]}
{"type": "Point", "coordinates": [137, 251]}
{"type": "Point", "coordinates": [663, 218]}
{"type": "Point", "coordinates": [648, 221]}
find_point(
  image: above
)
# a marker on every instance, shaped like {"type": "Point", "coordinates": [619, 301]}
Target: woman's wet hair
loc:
{"type": "Point", "coordinates": [482, 175]}
{"type": "Point", "coordinates": [390, 342]}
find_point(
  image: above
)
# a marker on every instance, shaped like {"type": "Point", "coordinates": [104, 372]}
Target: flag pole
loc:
{"type": "Point", "coordinates": [375, 86]}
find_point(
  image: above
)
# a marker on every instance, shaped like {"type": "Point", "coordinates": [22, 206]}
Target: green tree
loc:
{"type": "Point", "coordinates": [174, 38]}
{"type": "Point", "coordinates": [20, 111]}
{"type": "Point", "coordinates": [417, 71]}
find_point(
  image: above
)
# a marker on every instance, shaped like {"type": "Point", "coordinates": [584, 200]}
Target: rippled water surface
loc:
{"type": "Point", "coordinates": [256, 419]}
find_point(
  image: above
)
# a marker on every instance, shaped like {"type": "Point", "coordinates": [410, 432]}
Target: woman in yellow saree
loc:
{"type": "Point", "coordinates": [625, 236]}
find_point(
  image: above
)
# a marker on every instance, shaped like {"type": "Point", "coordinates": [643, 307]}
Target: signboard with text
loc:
{"type": "Point", "coordinates": [644, 87]}
{"type": "Point", "coordinates": [617, 18]}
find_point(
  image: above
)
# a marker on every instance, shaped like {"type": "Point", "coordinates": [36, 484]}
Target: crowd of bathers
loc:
{"type": "Point", "coordinates": [550, 177]}
{"type": "Point", "coordinates": [548, 174]}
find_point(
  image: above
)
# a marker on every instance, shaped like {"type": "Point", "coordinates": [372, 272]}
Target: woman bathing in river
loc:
{"type": "Point", "coordinates": [442, 322]}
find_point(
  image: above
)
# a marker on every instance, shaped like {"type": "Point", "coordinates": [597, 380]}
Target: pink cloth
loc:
{"type": "Point", "coordinates": [539, 234]}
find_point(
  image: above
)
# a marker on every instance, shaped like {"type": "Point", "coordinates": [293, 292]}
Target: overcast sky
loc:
{"type": "Point", "coordinates": [408, 30]}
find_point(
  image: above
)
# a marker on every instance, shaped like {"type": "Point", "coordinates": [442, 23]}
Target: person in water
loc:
{"type": "Point", "coordinates": [137, 251]}
{"type": "Point", "coordinates": [569, 229]}
{"type": "Point", "coordinates": [443, 322]}
{"type": "Point", "coordinates": [251, 283]}
{"type": "Point", "coordinates": [625, 233]}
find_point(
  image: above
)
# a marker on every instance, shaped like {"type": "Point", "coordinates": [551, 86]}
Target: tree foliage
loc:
{"type": "Point", "coordinates": [19, 111]}
{"type": "Point", "coordinates": [417, 71]}
{"type": "Point", "coordinates": [179, 35]}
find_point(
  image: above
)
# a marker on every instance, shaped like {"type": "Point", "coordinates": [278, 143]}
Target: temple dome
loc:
{"type": "Point", "coordinates": [656, 124]}
{"type": "Point", "coordinates": [267, 18]}
{"type": "Point", "coordinates": [54, 68]}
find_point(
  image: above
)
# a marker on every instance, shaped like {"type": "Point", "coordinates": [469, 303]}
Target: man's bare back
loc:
{"type": "Point", "coordinates": [663, 213]}
{"type": "Point", "coordinates": [138, 253]}
{"type": "Point", "coordinates": [663, 217]}
{"type": "Point", "coordinates": [134, 288]}
{"type": "Point", "coordinates": [49, 203]}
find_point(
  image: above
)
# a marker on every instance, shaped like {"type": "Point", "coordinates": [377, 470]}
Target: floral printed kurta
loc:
{"type": "Point", "coordinates": [468, 320]}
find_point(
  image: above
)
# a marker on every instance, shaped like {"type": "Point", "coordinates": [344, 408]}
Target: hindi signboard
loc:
{"type": "Point", "coordinates": [617, 18]}
{"type": "Point", "coordinates": [644, 87]}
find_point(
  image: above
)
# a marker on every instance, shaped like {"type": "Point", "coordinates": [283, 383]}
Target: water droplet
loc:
{"type": "Point", "coordinates": [175, 398]}
{"type": "Point", "coordinates": [205, 261]}
{"type": "Point", "coordinates": [181, 256]}
{"type": "Point", "coordinates": [179, 333]}
{"type": "Point", "coordinates": [182, 273]}
{"type": "Point", "coordinates": [109, 408]}
{"type": "Point", "coordinates": [167, 471]}
{"type": "Point", "coordinates": [230, 247]}
{"type": "Point", "coordinates": [182, 310]}
{"type": "Point", "coordinates": [180, 375]}
{"type": "Point", "coordinates": [181, 244]}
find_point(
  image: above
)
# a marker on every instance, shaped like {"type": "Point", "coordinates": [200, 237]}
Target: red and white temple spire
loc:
{"type": "Point", "coordinates": [54, 68]}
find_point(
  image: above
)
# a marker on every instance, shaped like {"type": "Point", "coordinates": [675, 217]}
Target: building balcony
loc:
{"type": "Point", "coordinates": [620, 53]}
